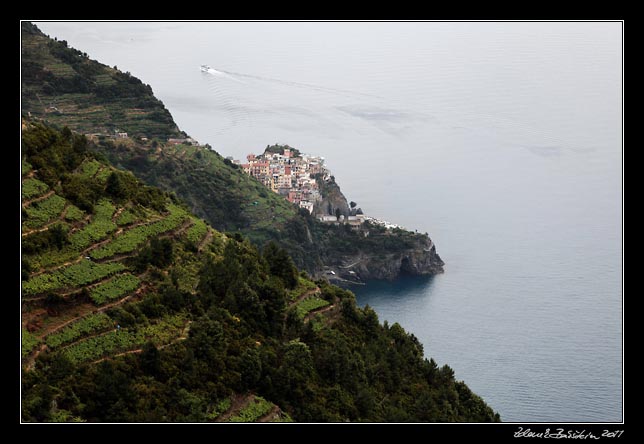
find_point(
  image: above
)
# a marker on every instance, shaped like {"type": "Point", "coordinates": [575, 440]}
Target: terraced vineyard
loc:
{"type": "Point", "coordinates": [132, 239]}
{"type": "Point", "coordinates": [32, 188]}
{"type": "Point", "coordinates": [25, 167]}
{"type": "Point", "coordinates": [126, 217]}
{"type": "Point", "coordinates": [92, 336]}
{"type": "Point", "coordinates": [93, 291]}
{"type": "Point", "coordinates": [76, 275]}
{"type": "Point", "coordinates": [254, 410]}
{"type": "Point", "coordinates": [125, 339]}
{"type": "Point", "coordinates": [309, 304]}
{"type": "Point", "coordinates": [247, 408]}
{"type": "Point", "coordinates": [102, 175]}
{"type": "Point", "coordinates": [41, 212]}
{"type": "Point", "coordinates": [89, 97]}
{"type": "Point", "coordinates": [66, 269]}
{"type": "Point", "coordinates": [114, 289]}
{"type": "Point", "coordinates": [89, 168]}
{"type": "Point", "coordinates": [73, 213]}
{"type": "Point", "coordinates": [219, 408]}
{"type": "Point", "coordinates": [29, 342]}
{"type": "Point", "coordinates": [197, 231]}
{"type": "Point", "coordinates": [303, 286]}
{"type": "Point", "coordinates": [99, 228]}
{"type": "Point", "coordinates": [85, 326]}
{"type": "Point", "coordinates": [92, 266]}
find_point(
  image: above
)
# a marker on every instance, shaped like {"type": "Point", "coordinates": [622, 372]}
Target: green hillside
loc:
{"type": "Point", "coordinates": [92, 98]}
{"type": "Point", "coordinates": [67, 88]}
{"type": "Point", "coordinates": [134, 310]}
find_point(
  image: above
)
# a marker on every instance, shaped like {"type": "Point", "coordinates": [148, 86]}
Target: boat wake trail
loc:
{"type": "Point", "coordinates": [218, 73]}
{"type": "Point", "coordinates": [235, 76]}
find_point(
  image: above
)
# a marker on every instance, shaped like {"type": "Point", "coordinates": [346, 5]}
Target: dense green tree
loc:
{"type": "Point", "coordinates": [56, 236]}
{"type": "Point", "coordinates": [250, 368]}
{"type": "Point", "coordinates": [59, 236]}
{"type": "Point", "coordinates": [116, 186]}
{"type": "Point", "coordinates": [82, 191]}
{"type": "Point", "coordinates": [294, 376]}
{"type": "Point", "coordinates": [159, 254]}
{"type": "Point", "coordinates": [273, 298]}
{"type": "Point", "coordinates": [150, 359]}
{"type": "Point", "coordinates": [37, 403]}
{"type": "Point", "coordinates": [25, 269]}
{"type": "Point", "coordinates": [280, 264]}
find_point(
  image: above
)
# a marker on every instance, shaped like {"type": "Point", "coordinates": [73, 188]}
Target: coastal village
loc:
{"type": "Point", "coordinates": [295, 176]}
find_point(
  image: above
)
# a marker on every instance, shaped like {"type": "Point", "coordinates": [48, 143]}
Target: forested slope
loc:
{"type": "Point", "coordinates": [136, 310]}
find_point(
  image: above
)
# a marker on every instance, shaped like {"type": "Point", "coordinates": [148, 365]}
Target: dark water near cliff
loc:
{"type": "Point", "coordinates": [502, 140]}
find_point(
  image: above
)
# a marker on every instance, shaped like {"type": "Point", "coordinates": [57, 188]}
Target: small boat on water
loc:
{"type": "Point", "coordinates": [205, 68]}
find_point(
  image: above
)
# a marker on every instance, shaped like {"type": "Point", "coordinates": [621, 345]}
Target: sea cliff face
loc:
{"type": "Point", "coordinates": [419, 259]}
{"type": "Point", "coordinates": [332, 199]}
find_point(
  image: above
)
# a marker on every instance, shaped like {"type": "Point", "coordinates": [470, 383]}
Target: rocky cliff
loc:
{"type": "Point", "coordinates": [332, 199]}
{"type": "Point", "coordinates": [372, 254]}
{"type": "Point", "coordinates": [418, 259]}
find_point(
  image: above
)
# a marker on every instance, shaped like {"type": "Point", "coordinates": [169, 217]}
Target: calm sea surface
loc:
{"type": "Point", "coordinates": [501, 140]}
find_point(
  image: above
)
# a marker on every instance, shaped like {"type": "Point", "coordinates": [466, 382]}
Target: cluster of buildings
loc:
{"type": "Point", "coordinates": [288, 174]}
{"type": "Point", "coordinates": [293, 175]}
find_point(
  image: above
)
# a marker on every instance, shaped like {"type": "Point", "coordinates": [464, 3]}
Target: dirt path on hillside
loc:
{"type": "Point", "coordinates": [310, 315]}
{"type": "Point", "coordinates": [238, 402]}
{"type": "Point", "coordinates": [117, 213]}
{"type": "Point", "coordinates": [30, 361]}
{"type": "Point", "coordinates": [128, 352]}
{"type": "Point", "coordinates": [92, 247]}
{"type": "Point", "coordinates": [48, 224]}
{"type": "Point", "coordinates": [184, 336]}
{"type": "Point", "coordinates": [182, 229]}
{"type": "Point", "coordinates": [78, 225]}
{"type": "Point", "coordinates": [68, 292]}
{"type": "Point", "coordinates": [84, 338]}
{"type": "Point", "coordinates": [83, 310]}
{"type": "Point", "coordinates": [37, 230]}
{"type": "Point", "coordinates": [116, 257]}
{"type": "Point", "coordinates": [37, 198]}
{"type": "Point", "coordinates": [305, 295]}
{"type": "Point", "coordinates": [55, 267]}
{"type": "Point", "coordinates": [206, 240]}
{"type": "Point", "coordinates": [272, 414]}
